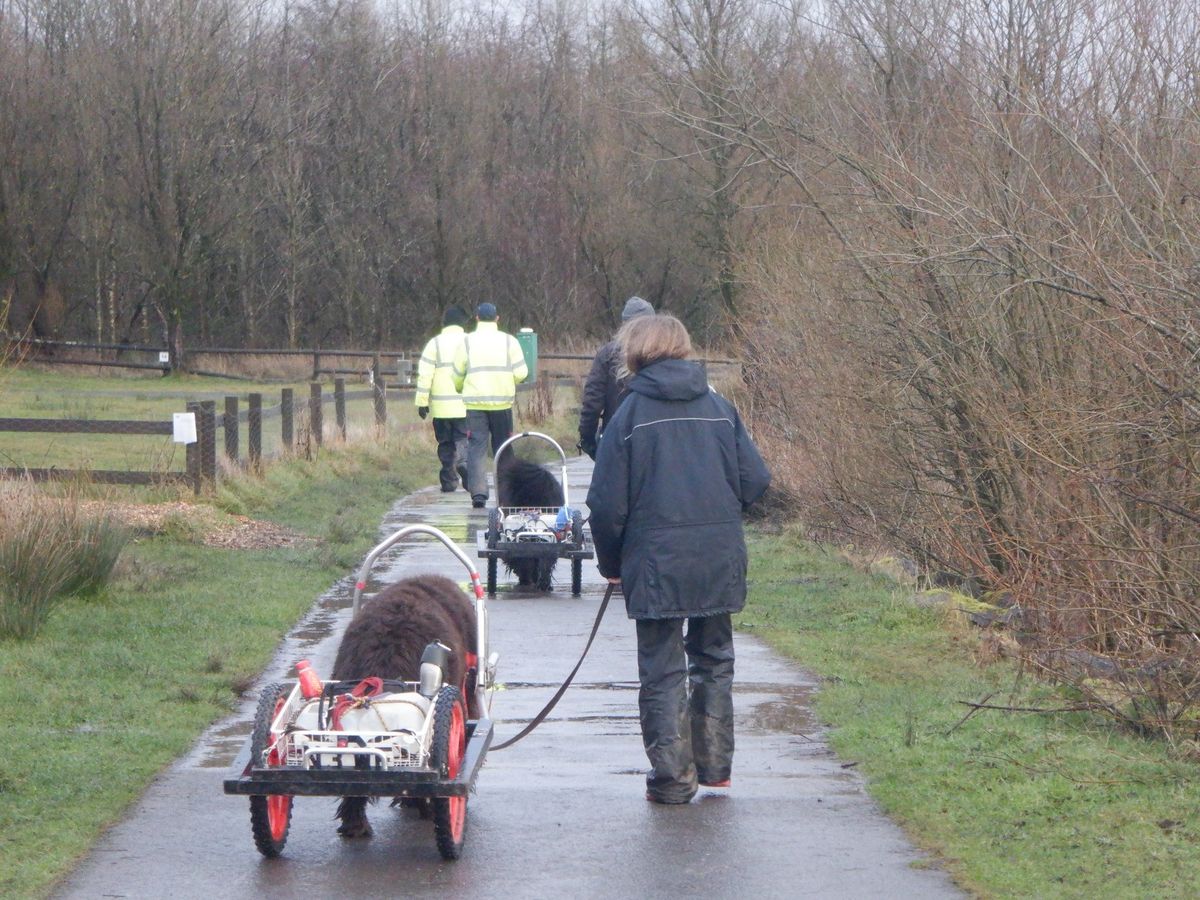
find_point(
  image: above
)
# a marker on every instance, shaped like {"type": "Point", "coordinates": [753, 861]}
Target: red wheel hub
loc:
{"type": "Point", "coordinates": [458, 740]}
{"type": "Point", "coordinates": [278, 805]}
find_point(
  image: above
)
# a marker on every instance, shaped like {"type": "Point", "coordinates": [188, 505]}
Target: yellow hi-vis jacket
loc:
{"type": "Point", "coordinates": [435, 375]}
{"type": "Point", "coordinates": [488, 367]}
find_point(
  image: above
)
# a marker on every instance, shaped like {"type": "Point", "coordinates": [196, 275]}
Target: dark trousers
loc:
{"type": "Point", "coordinates": [686, 703]}
{"type": "Point", "coordinates": [451, 437]}
{"type": "Point", "coordinates": [498, 423]}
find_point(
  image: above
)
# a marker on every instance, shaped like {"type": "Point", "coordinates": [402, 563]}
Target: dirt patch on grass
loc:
{"type": "Point", "coordinates": [201, 523]}
{"type": "Point", "coordinates": [243, 533]}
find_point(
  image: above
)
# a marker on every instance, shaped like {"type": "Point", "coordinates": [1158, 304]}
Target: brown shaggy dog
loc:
{"type": "Point", "coordinates": [524, 484]}
{"type": "Point", "coordinates": [386, 640]}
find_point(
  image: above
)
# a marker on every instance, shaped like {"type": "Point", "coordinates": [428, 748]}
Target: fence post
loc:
{"type": "Point", "coordinates": [378, 386]}
{"type": "Point", "coordinates": [339, 404]}
{"type": "Point", "coordinates": [316, 365]}
{"type": "Point", "coordinates": [193, 449]}
{"type": "Point", "coordinates": [254, 427]}
{"type": "Point", "coordinates": [287, 406]}
{"type": "Point", "coordinates": [315, 413]}
{"type": "Point", "coordinates": [231, 428]}
{"type": "Point", "coordinates": [208, 440]}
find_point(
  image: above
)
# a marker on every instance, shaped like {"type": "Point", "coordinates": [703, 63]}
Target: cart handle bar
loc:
{"type": "Point", "coordinates": [360, 582]}
{"type": "Point", "coordinates": [545, 437]}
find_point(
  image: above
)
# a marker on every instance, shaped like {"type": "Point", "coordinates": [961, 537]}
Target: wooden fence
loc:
{"type": "Point", "coordinates": [399, 366]}
{"type": "Point", "coordinates": [395, 365]}
{"type": "Point", "coordinates": [201, 456]}
{"type": "Point", "coordinates": [401, 370]}
{"type": "Point", "coordinates": [88, 426]}
{"type": "Point", "coordinates": [83, 353]}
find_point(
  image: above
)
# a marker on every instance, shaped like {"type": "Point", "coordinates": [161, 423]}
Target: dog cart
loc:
{"type": "Point", "coordinates": [542, 532]}
{"type": "Point", "coordinates": [372, 738]}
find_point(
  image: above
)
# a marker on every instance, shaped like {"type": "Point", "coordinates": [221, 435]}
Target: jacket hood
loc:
{"type": "Point", "coordinates": [670, 379]}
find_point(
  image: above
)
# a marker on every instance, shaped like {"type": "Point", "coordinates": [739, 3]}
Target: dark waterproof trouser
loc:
{"type": "Point", "coordinates": [480, 423]}
{"type": "Point", "coordinates": [686, 703]}
{"type": "Point", "coordinates": [451, 437]}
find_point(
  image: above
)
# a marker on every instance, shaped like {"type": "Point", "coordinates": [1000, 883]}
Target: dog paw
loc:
{"type": "Point", "coordinates": [355, 829]}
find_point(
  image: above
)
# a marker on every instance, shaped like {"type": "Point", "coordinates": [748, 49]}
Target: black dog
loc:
{"type": "Point", "coordinates": [386, 640]}
{"type": "Point", "coordinates": [522, 484]}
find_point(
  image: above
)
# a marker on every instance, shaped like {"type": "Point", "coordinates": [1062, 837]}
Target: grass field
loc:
{"type": "Point", "coordinates": [1020, 805]}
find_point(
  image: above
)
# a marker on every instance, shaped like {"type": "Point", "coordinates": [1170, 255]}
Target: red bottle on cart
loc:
{"type": "Point", "coordinates": [310, 684]}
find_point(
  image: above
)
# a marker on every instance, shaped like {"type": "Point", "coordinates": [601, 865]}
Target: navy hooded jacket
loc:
{"type": "Point", "coordinates": [674, 471]}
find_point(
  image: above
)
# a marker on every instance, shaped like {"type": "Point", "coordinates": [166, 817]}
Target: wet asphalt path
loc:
{"type": "Point", "coordinates": [559, 814]}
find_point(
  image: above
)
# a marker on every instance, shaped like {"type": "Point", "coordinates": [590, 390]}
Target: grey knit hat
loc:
{"type": "Point", "coordinates": [634, 307]}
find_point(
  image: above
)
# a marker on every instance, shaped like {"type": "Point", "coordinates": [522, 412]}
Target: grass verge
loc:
{"type": "Point", "coordinates": [116, 687]}
{"type": "Point", "coordinates": [1019, 805]}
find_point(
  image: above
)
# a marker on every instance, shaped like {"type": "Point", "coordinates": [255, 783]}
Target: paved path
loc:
{"type": "Point", "coordinates": [559, 814]}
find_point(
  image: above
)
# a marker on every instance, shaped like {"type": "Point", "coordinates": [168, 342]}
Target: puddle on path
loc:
{"type": "Point", "coordinates": [584, 686]}
{"type": "Point", "coordinates": [788, 712]}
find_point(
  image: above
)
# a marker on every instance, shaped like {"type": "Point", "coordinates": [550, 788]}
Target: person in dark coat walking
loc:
{"type": "Point", "coordinates": [674, 472]}
{"type": "Point", "coordinates": [605, 388]}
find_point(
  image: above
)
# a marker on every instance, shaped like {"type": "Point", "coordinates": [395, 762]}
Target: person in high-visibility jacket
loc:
{"type": "Point", "coordinates": [487, 369]}
{"type": "Point", "coordinates": [438, 395]}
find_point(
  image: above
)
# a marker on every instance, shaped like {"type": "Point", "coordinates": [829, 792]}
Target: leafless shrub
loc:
{"type": "Point", "coordinates": [537, 406]}
{"type": "Point", "coordinates": [979, 329]}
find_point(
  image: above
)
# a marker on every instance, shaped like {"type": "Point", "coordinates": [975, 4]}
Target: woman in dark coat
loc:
{"type": "Point", "coordinates": [605, 386]}
{"type": "Point", "coordinates": [674, 471]}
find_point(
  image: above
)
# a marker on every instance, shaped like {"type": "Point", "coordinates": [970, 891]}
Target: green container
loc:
{"type": "Point", "coordinates": [527, 338]}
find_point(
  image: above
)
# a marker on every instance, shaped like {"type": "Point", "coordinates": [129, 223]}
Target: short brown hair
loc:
{"type": "Point", "coordinates": [648, 339]}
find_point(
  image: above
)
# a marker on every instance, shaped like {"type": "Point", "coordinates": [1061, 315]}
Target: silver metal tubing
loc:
{"type": "Point", "coordinates": [481, 621]}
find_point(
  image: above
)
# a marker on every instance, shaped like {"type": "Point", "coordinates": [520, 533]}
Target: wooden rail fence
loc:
{"type": "Point", "coordinates": [158, 359]}
{"type": "Point", "coordinates": [88, 426]}
{"type": "Point", "coordinates": [152, 357]}
{"type": "Point", "coordinates": [201, 456]}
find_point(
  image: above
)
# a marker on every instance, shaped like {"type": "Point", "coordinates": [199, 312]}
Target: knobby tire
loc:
{"type": "Point", "coordinates": [447, 754]}
{"type": "Point", "coordinates": [270, 815]}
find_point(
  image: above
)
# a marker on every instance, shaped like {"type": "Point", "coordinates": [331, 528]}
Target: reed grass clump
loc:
{"type": "Point", "coordinates": [50, 550]}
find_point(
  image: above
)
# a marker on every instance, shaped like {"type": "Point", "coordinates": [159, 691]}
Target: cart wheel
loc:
{"type": "Point", "coordinates": [576, 577]}
{"type": "Point", "coordinates": [493, 528]}
{"type": "Point", "coordinates": [491, 575]}
{"type": "Point", "coordinates": [577, 529]}
{"type": "Point", "coordinates": [449, 748]}
{"type": "Point", "coordinates": [270, 816]}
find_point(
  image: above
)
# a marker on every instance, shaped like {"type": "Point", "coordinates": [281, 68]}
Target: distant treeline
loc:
{"type": "Point", "coordinates": [320, 173]}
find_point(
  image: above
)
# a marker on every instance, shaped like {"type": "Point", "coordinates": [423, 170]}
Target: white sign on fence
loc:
{"type": "Point", "coordinates": [185, 428]}
{"type": "Point", "coordinates": [164, 357]}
